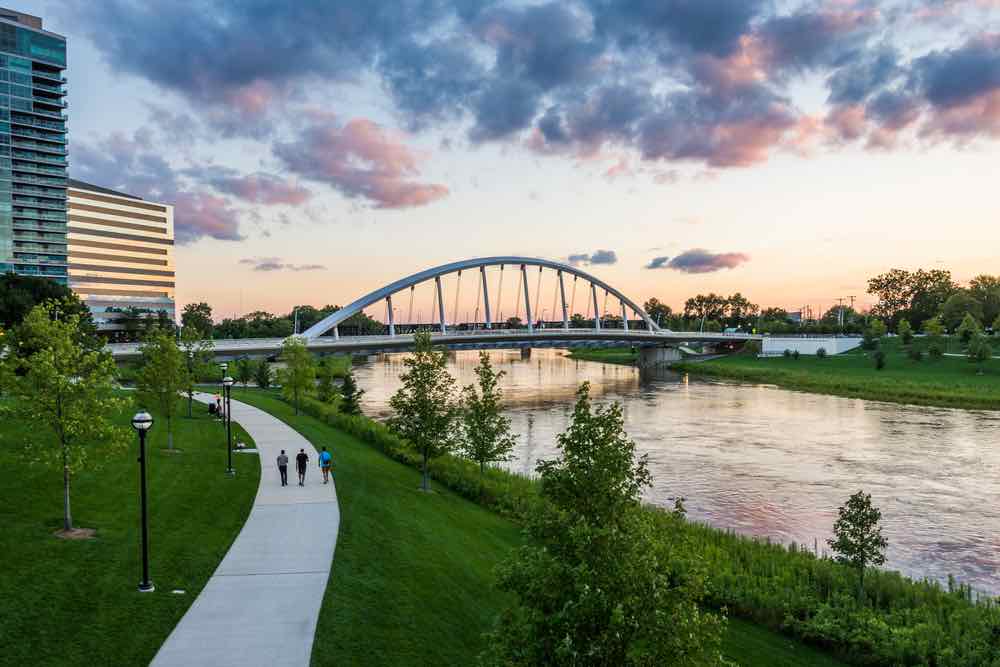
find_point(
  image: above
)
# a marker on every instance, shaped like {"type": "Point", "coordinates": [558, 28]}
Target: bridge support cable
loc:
{"type": "Point", "coordinates": [555, 295]}
{"type": "Point", "coordinates": [624, 317]}
{"type": "Point", "coordinates": [475, 313]}
{"type": "Point", "coordinates": [409, 314]}
{"type": "Point", "coordinates": [562, 297]}
{"type": "Point", "coordinates": [392, 320]}
{"type": "Point", "coordinates": [517, 293]}
{"type": "Point", "coordinates": [604, 311]}
{"type": "Point", "coordinates": [527, 300]}
{"type": "Point", "coordinates": [572, 301]}
{"type": "Point", "coordinates": [440, 304]}
{"type": "Point", "coordinates": [597, 314]}
{"type": "Point", "coordinates": [458, 291]}
{"type": "Point", "coordinates": [486, 297]}
{"type": "Point", "coordinates": [538, 290]}
{"type": "Point", "coordinates": [500, 296]}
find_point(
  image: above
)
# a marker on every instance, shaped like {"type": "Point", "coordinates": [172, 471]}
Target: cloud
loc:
{"type": "Point", "coordinates": [657, 263]}
{"type": "Point", "coordinates": [597, 257]}
{"type": "Point", "coordinates": [361, 160]}
{"type": "Point", "coordinates": [699, 260]}
{"type": "Point", "coordinates": [276, 264]}
{"type": "Point", "coordinates": [258, 188]}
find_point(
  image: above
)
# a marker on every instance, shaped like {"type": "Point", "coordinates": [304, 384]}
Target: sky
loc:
{"type": "Point", "coordinates": [316, 151]}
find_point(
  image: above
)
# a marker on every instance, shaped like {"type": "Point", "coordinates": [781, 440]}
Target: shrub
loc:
{"type": "Point", "coordinates": [795, 355]}
{"type": "Point", "coordinates": [787, 353]}
{"type": "Point", "coordinates": [879, 358]}
{"type": "Point", "coordinates": [916, 353]}
{"type": "Point", "coordinates": [905, 331]}
{"type": "Point", "coordinates": [821, 353]}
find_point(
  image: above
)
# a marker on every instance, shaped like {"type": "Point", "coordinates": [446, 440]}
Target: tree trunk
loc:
{"type": "Point", "coordinates": [67, 515]}
{"type": "Point", "coordinates": [170, 435]}
{"type": "Point", "coordinates": [861, 583]}
{"type": "Point", "coordinates": [190, 399]}
{"type": "Point", "coordinates": [425, 486]}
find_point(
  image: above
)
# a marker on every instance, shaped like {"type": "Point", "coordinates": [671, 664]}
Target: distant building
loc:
{"type": "Point", "coordinates": [32, 148]}
{"type": "Point", "coordinates": [121, 254]}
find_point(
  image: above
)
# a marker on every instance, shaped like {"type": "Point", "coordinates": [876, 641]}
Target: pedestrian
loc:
{"type": "Point", "coordinates": [300, 463]}
{"type": "Point", "coordinates": [325, 462]}
{"type": "Point", "coordinates": [283, 467]}
{"type": "Point", "coordinates": [218, 406]}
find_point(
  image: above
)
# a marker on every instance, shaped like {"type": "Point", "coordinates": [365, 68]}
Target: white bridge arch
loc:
{"type": "Point", "coordinates": [331, 321]}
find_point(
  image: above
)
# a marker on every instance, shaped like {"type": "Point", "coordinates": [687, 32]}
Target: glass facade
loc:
{"type": "Point", "coordinates": [33, 149]}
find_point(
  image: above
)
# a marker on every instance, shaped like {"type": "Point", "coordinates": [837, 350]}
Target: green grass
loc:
{"type": "Point", "coordinates": [412, 578]}
{"type": "Point", "coordinates": [74, 602]}
{"type": "Point", "coordinates": [608, 355]}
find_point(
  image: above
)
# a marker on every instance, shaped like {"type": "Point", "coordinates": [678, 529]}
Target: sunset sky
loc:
{"type": "Point", "coordinates": [318, 150]}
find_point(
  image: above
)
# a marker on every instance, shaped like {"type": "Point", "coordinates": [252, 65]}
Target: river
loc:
{"type": "Point", "coordinates": [770, 462]}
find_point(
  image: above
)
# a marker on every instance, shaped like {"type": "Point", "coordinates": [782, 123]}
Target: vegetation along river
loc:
{"type": "Point", "coordinates": [770, 462]}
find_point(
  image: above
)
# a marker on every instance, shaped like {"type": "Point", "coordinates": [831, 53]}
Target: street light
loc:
{"type": "Point", "coordinates": [190, 362]}
{"type": "Point", "coordinates": [227, 383]}
{"type": "Point", "coordinates": [142, 422]}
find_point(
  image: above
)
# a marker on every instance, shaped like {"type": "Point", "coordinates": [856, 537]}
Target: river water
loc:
{"type": "Point", "coordinates": [770, 462]}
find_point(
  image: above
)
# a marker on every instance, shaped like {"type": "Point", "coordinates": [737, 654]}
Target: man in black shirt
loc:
{"type": "Point", "coordinates": [301, 459]}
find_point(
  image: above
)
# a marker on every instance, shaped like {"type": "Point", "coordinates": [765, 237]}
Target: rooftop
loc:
{"type": "Point", "coordinates": [83, 185]}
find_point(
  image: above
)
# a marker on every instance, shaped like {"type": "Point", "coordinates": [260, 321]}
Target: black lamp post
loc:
{"type": "Point", "coordinates": [142, 422]}
{"type": "Point", "coordinates": [190, 362]}
{"type": "Point", "coordinates": [227, 383]}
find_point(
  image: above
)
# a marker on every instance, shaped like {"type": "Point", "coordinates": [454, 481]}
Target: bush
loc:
{"type": "Point", "coordinates": [879, 358]}
{"type": "Point", "coordinates": [821, 353]}
{"type": "Point", "coordinates": [795, 355]}
{"type": "Point", "coordinates": [787, 353]}
{"type": "Point", "coordinates": [916, 353]}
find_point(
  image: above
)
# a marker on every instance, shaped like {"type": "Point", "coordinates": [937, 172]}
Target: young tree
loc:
{"type": "Point", "coordinates": [596, 584]}
{"type": "Point", "coordinates": [979, 351]}
{"type": "Point", "coordinates": [198, 358]}
{"type": "Point", "coordinates": [326, 388]}
{"type": "Point", "coordinates": [486, 430]}
{"type": "Point", "coordinates": [905, 331]}
{"type": "Point", "coordinates": [198, 317]}
{"type": "Point", "coordinates": [162, 377]}
{"type": "Point", "coordinates": [934, 331]}
{"type": "Point", "coordinates": [244, 371]}
{"type": "Point", "coordinates": [967, 328]}
{"type": "Point", "coordinates": [350, 403]}
{"type": "Point", "coordinates": [425, 412]}
{"type": "Point", "coordinates": [298, 378]}
{"type": "Point", "coordinates": [959, 307]}
{"type": "Point", "coordinates": [857, 536]}
{"type": "Point", "coordinates": [879, 357]}
{"type": "Point", "coordinates": [65, 391]}
{"type": "Point", "coordinates": [262, 374]}
{"type": "Point", "coordinates": [873, 334]}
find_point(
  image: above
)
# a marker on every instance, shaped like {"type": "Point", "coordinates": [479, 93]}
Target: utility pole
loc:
{"type": "Point", "coordinates": [840, 312]}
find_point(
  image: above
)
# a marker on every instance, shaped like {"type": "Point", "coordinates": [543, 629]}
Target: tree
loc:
{"type": "Point", "coordinates": [244, 370]}
{"type": "Point", "coordinates": [298, 377]}
{"type": "Point", "coordinates": [262, 374]}
{"type": "Point", "coordinates": [957, 307]}
{"type": "Point", "coordinates": [198, 317]}
{"type": "Point", "coordinates": [350, 402]}
{"type": "Point", "coordinates": [986, 290]}
{"type": "Point", "coordinates": [326, 389]}
{"type": "Point", "coordinates": [915, 295]}
{"type": "Point", "coordinates": [197, 353]}
{"type": "Point", "coordinates": [65, 391]}
{"type": "Point", "coordinates": [425, 412]}
{"type": "Point", "coordinates": [162, 377]}
{"type": "Point", "coordinates": [879, 357]}
{"type": "Point", "coordinates": [996, 326]}
{"type": "Point", "coordinates": [659, 312]}
{"type": "Point", "coordinates": [857, 536]}
{"type": "Point", "coordinates": [979, 351]}
{"type": "Point", "coordinates": [19, 295]}
{"type": "Point", "coordinates": [873, 334]}
{"type": "Point", "coordinates": [706, 306]}
{"type": "Point", "coordinates": [486, 430]}
{"type": "Point", "coordinates": [934, 331]}
{"type": "Point", "coordinates": [514, 323]}
{"type": "Point", "coordinates": [740, 310]}
{"type": "Point", "coordinates": [578, 322]}
{"type": "Point", "coordinates": [596, 584]}
{"type": "Point", "coordinates": [905, 331]}
{"type": "Point", "coordinates": [968, 327]}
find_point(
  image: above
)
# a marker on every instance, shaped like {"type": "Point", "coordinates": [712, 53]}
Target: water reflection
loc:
{"type": "Point", "coordinates": [770, 462]}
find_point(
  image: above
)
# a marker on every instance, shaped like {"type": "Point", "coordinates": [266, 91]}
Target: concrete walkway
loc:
{"type": "Point", "coordinates": [262, 604]}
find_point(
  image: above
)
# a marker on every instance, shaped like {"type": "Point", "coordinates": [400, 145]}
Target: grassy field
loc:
{"type": "Point", "coordinates": [74, 602]}
{"type": "Point", "coordinates": [412, 576]}
{"type": "Point", "coordinates": [608, 355]}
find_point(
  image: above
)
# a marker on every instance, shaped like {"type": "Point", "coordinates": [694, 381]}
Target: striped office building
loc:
{"type": "Point", "coordinates": [121, 253]}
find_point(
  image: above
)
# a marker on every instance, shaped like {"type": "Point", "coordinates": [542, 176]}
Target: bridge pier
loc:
{"type": "Point", "coordinates": [526, 353]}
{"type": "Point", "coordinates": [655, 357]}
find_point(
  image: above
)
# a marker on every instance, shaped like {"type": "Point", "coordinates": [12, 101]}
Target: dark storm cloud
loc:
{"type": "Point", "coordinates": [699, 260]}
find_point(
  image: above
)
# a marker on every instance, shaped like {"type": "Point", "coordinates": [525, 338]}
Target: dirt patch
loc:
{"type": "Point", "coordinates": [76, 534]}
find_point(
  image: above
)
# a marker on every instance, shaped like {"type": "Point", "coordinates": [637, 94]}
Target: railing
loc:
{"type": "Point", "coordinates": [48, 76]}
{"type": "Point", "coordinates": [37, 203]}
{"type": "Point", "coordinates": [44, 192]}
{"type": "Point", "coordinates": [34, 215]}
{"type": "Point", "coordinates": [37, 122]}
{"type": "Point", "coordinates": [51, 89]}
{"type": "Point", "coordinates": [37, 157]}
{"type": "Point", "coordinates": [34, 247]}
{"type": "Point", "coordinates": [38, 179]}
{"type": "Point", "coordinates": [21, 236]}
{"type": "Point", "coordinates": [38, 146]}
{"type": "Point", "coordinates": [37, 169]}
{"type": "Point", "coordinates": [21, 132]}
{"type": "Point", "coordinates": [49, 100]}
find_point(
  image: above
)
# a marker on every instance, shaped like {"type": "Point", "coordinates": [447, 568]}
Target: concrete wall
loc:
{"type": "Point", "coordinates": [652, 357]}
{"type": "Point", "coordinates": [774, 346]}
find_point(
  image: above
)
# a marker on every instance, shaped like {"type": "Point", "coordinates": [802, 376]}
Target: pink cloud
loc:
{"type": "Point", "coordinates": [846, 123]}
{"type": "Point", "coordinates": [979, 115]}
{"type": "Point", "coordinates": [265, 189]}
{"type": "Point", "coordinates": [202, 214]}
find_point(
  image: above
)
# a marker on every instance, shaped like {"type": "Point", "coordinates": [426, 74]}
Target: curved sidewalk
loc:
{"type": "Point", "coordinates": [261, 605]}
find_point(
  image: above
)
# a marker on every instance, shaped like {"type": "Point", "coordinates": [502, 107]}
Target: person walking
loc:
{"type": "Point", "coordinates": [283, 467]}
{"type": "Point", "coordinates": [301, 459]}
{"type": "Point", "coordinates": [325, 463]}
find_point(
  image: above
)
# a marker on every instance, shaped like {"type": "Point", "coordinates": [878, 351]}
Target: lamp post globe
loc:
{"type": "Point", "coordinates": [142, 422]}
{"type": "Point", "coordinates": [227, 384]}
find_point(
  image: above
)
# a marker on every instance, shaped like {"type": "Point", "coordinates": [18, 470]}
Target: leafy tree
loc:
{"type": "Point", "coordinates": [244, 370]}
{"type": "Point", "coordinates": [967, 328]}
{"type": "Point", "coordinates": [514, 323]}
{"type": "Point", "coordinates": [486, 430]}
{"type": "Point", "coordinates": [262, 374]}
{"type": "Point", "coordinates": [350, 403]}
{"type": "Point", "coordinates": [197, 353]}
{"type": "Point", "coordinates": [740, 310]}
{"type": "Point", "coordinates": [905, 331]}
{"type": "Point", "coordinates": [425, 411]}
{"type": "Point", "coordinates": [979, 351]}
{"type": "Point", "coordinates": [821, 353]}
{"type": "Point", "coordinates": [596, 585]}
{"type": "Point", "coordinates": [19, 295]}
{"type": "Point", "coordinates": [162, 377]}
{"type": "Point", "coordinates": [66, 391]}
{"type": "Point", "coordinates": [298, 377]}
{"type": "Point", "coordinates": [915, 295]}
{"type": "Point", "coordinates": [996, 326]}
{"type": "Point", "coordinates": [198, 317]}
{"type": "Point", "coordinates": [958, 307]}
{"type": "Point", "coordinates": [986, 290]}
{"type": "Point", "coordinates": [857, 536]}
{"type": "Point", "coordinates": [578, 322]}
{"type": "Point", "coordinates": [326, 389]}
{"type": "Point", "coordinates": [879, 357]}
{"type": "Point", "coordinates": [659, 312]}
{"type": "Point", "coordinates": [873, 334]}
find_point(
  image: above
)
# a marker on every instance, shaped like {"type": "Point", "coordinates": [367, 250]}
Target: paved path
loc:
{"type": "Point", "coordinates": [262, 604]}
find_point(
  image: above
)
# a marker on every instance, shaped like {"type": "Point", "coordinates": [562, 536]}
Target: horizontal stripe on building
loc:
{"type": "Point", "coordinates": [115, 223]}
{"type": "Point", "coordinates": [110, 211]}
{"type": "Point", "coordinates": [81, 243]}
{"type": "Point", "coordinates": [78, 279]}
{"type": "Point", "coordinates": [77, 254]}
{"type": "Point", "coordinates": [116, 235]}
{"type": "Point", "coordinates": [119, 269]}
{"type": "Point", "coordinates": [123, 201]}
{"type": "Point", "coordinates": [83, 292]}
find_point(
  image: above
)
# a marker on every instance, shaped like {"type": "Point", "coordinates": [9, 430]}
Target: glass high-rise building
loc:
{"type": "Point", "coordinates": [32, 148]}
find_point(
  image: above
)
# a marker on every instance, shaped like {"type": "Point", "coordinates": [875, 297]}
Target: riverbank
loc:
{"type": "Point", "coordinates": [412, 582]}
{"type": "Point", "coordinates": [950, 381]}
{"type": "Point", "coordinates": [74, 602]}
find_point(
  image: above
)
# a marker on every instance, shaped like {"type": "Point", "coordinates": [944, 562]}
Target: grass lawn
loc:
{"type": "Point", "coordinates": [74, 602]}
{"type": "Point", "coordinates": [412, 578]}
{"type": "Point", "coordinates": [609, 355]}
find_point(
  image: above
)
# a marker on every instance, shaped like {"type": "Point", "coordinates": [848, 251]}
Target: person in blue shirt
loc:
{"type": "Point", "coordinates": [325, 463]}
